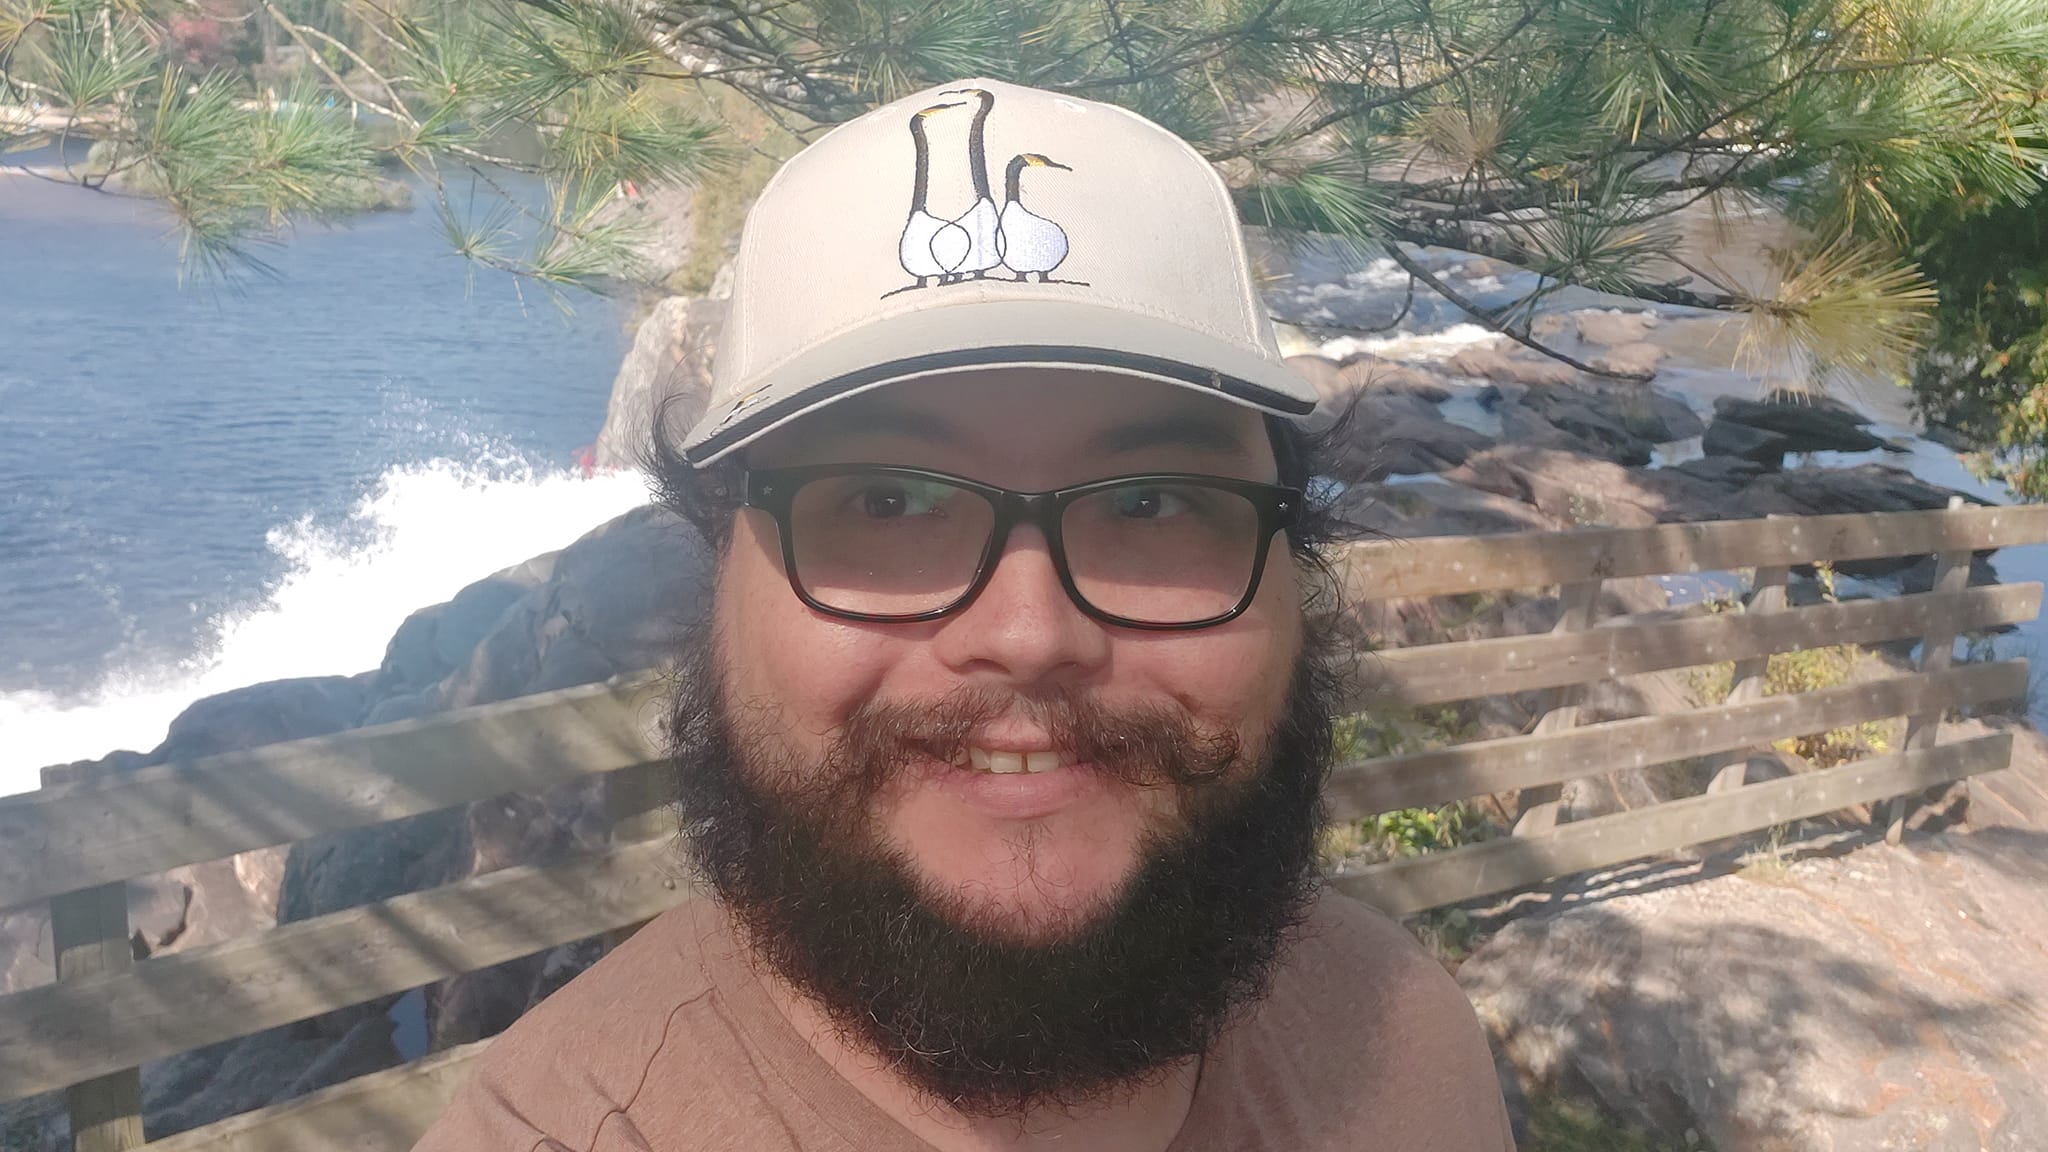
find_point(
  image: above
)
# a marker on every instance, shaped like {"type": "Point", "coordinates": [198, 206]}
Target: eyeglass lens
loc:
{"type": "Point", "coordinates": [1155, 552]}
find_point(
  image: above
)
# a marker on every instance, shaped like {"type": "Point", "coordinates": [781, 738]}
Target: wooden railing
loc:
{"type": "Point", "coordinates": [77, 844]}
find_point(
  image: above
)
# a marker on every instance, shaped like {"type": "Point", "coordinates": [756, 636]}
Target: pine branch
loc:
{"type": "Point", "coordinates": [1492, 320]}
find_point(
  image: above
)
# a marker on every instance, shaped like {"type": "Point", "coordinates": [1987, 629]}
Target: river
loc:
{"type": "Point", "coordinates": [203, 487]}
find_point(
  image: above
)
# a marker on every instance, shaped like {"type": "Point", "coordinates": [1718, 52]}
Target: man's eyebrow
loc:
{"type": "Point", "coordinates": [877, 419]}
{"type": "Point", "coordinates": [1184, 431]}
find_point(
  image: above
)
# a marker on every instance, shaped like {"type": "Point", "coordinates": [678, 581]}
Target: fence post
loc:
{"type": "Point", "coordinates": [1937, 651]}
{"type": "Point", "coordinates": [1747, 681]}
{"type": "Point", "coordinates": [1537, 807]}
{"type": "Point", "coordinates": [89, 930]}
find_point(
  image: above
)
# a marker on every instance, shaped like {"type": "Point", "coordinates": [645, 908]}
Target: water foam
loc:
{"type": "Point", "coordinates": [421, 534]}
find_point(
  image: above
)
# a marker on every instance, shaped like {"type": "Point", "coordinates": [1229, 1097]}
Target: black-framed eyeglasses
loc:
{"type": "Point", "coordinates": [1164, 550]}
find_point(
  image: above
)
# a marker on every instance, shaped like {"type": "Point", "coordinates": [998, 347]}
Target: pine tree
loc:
{"type": "Point", "coordinates": [1565, 136]}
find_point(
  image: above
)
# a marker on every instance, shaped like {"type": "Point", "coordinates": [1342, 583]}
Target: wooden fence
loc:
{"type": "Point", "coordinates": [77, 844]}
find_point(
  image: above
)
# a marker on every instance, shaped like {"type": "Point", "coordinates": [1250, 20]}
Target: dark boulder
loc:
{"type": "Point", "coordinates": [1809, 423]}
{"type": "Point", "coordinates": [264, 714]}
{"type": "Point", "coordinates": [1762, 446]}
{"type": "Point", "coordinates": [1621, 425]}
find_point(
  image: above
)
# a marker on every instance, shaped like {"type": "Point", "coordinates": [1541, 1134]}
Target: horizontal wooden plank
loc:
{"type": "Point", "coordinates": [131, 824]}
{"type": "Point", "coordinates": [385, 1111]}
{"type": "Point", "coordinates": [1401, 887]}
{"type": "Point", "coordinates": [1439, 673]}
{"type": "Point", "coordinates": [64, 1033]}
{"type": "Point", "coordinates": [1442, 775]}
{"type": "Point", "coordinates": [1382, 570]}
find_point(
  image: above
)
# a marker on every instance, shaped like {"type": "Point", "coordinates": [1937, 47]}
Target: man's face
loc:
{"type": "Point", "coordinates": [1029, 856]}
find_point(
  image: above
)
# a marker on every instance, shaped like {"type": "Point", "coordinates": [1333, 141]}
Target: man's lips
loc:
{"type": "Point", "coordinates": [1008, 789]}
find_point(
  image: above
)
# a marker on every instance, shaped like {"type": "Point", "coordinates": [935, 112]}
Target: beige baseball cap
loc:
{"type": "Point", "coordinates": [979, 225]}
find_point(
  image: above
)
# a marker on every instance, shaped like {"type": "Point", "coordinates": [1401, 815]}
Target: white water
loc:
{"type": "Point", "coordinates": [424, 532]}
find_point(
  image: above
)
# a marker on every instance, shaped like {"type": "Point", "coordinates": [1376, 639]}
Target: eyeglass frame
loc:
{"type": "Point", "coordinates": [773, 490]}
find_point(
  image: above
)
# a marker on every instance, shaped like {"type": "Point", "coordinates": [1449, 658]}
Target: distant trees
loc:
{"type": "Point", "coordinates": [1562, 135]}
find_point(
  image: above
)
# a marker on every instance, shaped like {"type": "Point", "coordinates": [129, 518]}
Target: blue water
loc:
{"type": "Point", "coordinates": [152, 433]}
{"type": "Point", "coordinates": [167, 450]}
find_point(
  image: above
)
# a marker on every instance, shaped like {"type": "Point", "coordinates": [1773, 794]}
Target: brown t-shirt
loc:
{"type": "Point", "coordinates": [671, 1044]}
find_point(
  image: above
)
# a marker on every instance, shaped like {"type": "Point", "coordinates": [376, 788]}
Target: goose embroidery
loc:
{"type": "Point", "coordinates": [1028, 242]}
{"type": "Point", "coordinates": [937, 250]}
{"type": "Point", "coordinates": [984, 250]}
{"type": "Point", "coordinates": [931, 248]}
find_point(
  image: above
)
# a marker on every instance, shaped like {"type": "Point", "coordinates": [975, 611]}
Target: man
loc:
{"type": "Point", "coordinates": [1000, 744]}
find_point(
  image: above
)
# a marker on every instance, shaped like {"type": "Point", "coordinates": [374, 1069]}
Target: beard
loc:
{"type": "Point", "coordinates": [964, 1011]}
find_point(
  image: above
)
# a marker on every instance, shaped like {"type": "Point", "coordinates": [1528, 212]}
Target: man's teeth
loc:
{"type": "Point", "coordinates": [1003, 763]}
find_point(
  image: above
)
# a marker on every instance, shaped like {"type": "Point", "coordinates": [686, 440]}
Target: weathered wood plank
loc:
{"type": "Point", "coordinates": [1538, 807]}
{"type": "Point", "coordinates": [1442, 775]}
{"type": "Point", "coordinates": [1405, 886]}
{"type": "Point", "coordinates": [1440, 673]}
{"type": "Point", "coordinates": [89, 933]}
{"type": "Point", "coordinates": [385, 1111]}
{"type": "Point", "coordinates": [1937, 649]}
{"type": "Point", "coordinates": [63, 1033]}
{"type": "Point", "coordinates": [1432, 567]}
{"type": "Point", "coordinates": [1746, 680]}
{"type": "Point", "coordinates": [132, 824]}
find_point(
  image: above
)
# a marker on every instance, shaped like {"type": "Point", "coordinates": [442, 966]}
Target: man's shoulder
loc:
{"type": "Point", "coordinates": [1364, 1032]}
{"type": "Point", "coordinates": [581, 1057]}
{"type": "Point", "coordinates": [1353, 958]}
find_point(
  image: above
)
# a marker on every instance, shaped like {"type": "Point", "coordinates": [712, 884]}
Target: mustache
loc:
{"type": "Point", "coordinates": [1147, 745]}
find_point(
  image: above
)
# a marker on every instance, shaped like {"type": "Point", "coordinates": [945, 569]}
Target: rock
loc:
{"type": "Point", "coordinates": [479, 1004]}
{"type": "Point", "coordinates": [1621, 424]}
{"type": "Point", "coordinates": [436, 640]}
{"type": "Point", "coordinates": [1763, 446]}
{"type": "Point", "coordinates": [1816, 491]}
{"type": "Point", "coordinates": [1436, 508]}
{"type": "Point", "coordinates": [262, 714]}
{"type": "Point", "coordinates": [670, 357]}
{"type": "Point", "coordinates": [1885, 999]}
{"type": "Point", "coordinates": [1724, 471]}
{"type": "Point", "coordinates": [1583, 490]}
{"type": "Point", "coordinates": [1629, 360]}
{"type": "Point", "coordinates": [1613, 328]}
{"type": "Point", "coordinates": [1495, 362]}
{"type": "Point", "coordinates": [605, 609]}
{"type": "Point", "coordinates": [208, 1084]}
{"type": "Point", "coordinates": [1408, 445]}
{"type": "Point", "coordinates": [1809, 423]}
{"type": "Point", "coordinates": [366, 1048]}
{"type": "Point", "coordinates": [1575, 489]}
{"type": "Point", "coordinates": [347, 869]}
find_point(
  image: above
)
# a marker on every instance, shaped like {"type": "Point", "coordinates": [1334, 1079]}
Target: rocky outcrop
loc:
{"type": "Point", "coordinates": [1885, 999]}
{"type": "Point", "coordinates": [670, 358]}
{"type": "Point", "coordinates": [1764, 431]}
{"type": "Point", "coordinates": [1622, 424]}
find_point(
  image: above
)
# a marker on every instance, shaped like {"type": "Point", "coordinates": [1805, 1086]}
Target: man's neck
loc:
{"type": "Point", "coordinates": [1143, 1120]}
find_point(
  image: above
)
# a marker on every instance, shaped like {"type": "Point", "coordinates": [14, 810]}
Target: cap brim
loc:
{"type": "Point", "coordinates": [997, 334]}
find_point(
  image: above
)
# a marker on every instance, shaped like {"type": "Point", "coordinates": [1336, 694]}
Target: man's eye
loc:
{"type": "Point", "coordinates": [1149, 503]}
{"type": "Point", "coordinates": [892, 500]}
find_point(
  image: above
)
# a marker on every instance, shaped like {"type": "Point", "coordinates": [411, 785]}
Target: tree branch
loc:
{"type": "Point", "coordinates": [1491, 319]}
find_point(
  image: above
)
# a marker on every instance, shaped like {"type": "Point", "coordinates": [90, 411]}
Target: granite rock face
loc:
{"type": "Point", "coordinates": [670, 360]}
{"type": "Point", "coordinates": [1888, 999]}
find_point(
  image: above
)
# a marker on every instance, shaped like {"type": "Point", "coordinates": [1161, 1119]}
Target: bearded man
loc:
{"type": "Point", "coordinates": [999, 746]}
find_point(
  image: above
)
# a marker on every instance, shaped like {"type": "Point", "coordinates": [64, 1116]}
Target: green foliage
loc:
{"type": "Point", "coordinates": [1987, 372]}
{"type": "Point", "coordinates": [1559, 134]}
{"type": "Point", "coordinates": [1559, 1124]}
{"type": "Point", "coordinates": [1806, 670]}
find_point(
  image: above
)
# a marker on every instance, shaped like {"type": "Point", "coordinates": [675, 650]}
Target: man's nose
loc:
{"type": "Point", "coordinates": [1023, 627]}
